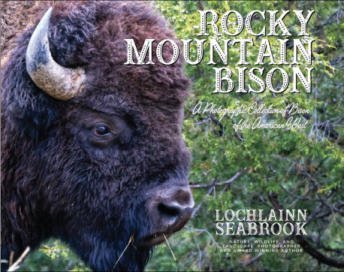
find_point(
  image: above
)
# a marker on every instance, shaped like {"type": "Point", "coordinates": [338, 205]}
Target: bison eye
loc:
{"type": "Point", "coordinates": [101, 130]}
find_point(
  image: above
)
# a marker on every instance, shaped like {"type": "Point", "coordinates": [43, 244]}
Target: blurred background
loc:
{"type": "Point", "coordinates": [269, 168]}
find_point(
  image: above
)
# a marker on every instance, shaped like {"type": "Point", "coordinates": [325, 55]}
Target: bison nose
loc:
{"type": "Point", "coordinates": [171, 208]}
{"type": "Point", "coordinates": [175, 203]}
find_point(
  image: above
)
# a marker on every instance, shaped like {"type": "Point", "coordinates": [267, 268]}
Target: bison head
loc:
{"type": "Point", "coordinates": [93, 152]}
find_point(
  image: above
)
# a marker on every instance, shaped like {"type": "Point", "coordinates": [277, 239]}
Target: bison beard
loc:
{"type": "Point", "coordinates": [106, 164]}
{"type": "Point", "coordinates": [106, 244]}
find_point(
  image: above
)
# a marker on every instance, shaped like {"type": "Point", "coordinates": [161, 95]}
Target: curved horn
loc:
{"type": "Point", "coordinates": [57, 81]}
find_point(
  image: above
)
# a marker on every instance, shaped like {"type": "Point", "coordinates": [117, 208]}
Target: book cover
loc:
{"type": "Point", "coordinates": [172, 135]}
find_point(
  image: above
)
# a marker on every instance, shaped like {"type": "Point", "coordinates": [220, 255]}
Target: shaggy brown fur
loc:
{"type": "Point", "coordinates": [56, 179]}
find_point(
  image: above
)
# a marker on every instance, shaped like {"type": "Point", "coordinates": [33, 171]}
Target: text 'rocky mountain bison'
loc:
{"type": "Point", "coordinates": [92, 149]}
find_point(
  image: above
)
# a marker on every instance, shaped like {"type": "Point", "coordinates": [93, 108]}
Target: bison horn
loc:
{"type": "Point", "coordinates": [57, 81]}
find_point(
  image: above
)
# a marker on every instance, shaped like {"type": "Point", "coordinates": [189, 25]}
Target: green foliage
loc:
{"type": "Point", "coordinates": [53, 256]}
{"type": "Point", "coordinates": [303, 168]}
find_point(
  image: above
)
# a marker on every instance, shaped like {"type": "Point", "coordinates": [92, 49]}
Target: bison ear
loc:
{"type": "Point", "coordinates": [24, 105]}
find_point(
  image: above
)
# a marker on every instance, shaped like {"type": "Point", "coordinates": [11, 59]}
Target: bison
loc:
{"type": "Point", "coordinates": [92, 149]}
